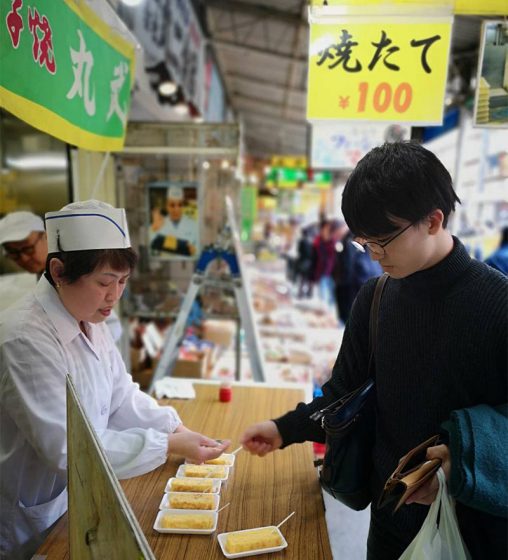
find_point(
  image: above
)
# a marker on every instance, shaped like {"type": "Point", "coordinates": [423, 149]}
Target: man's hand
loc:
{"type": "Point", "coordinates": [261, 438]}
{"type": "Point", "coordinates": [194, 446]}
{"type": "Point", "coordinates": [426, 494]}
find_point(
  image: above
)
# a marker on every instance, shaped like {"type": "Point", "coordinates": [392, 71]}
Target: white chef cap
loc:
{"type": "Point", "coordinates": [175, 192]}
{"type": "Point", "coordinates": [17, 226]}
{"type": "Point", "coordinates": [87, 225]}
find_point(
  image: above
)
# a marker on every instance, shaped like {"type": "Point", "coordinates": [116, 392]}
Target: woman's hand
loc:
{"type": "Point", "coordinates": [426, 494]}
{"type": "Point", "coordinates": [194, 446]}
{"type": "Point", "coordinates": [261, 438]}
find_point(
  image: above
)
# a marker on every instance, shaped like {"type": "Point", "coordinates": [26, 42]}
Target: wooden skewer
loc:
{"type": "Point", "coordinates": [236, 450]}
{"type": "Point", "coordinates": [223, 507]}
{"type": "Point", "coordinates": [210, 473]}
{"type": "Point", "coordinates": [284, 520]}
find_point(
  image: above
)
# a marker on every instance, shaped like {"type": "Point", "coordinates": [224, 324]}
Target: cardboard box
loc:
{"type": "Point", "coordinates": [193, 367]}
{"type": "Point", "coordinates": [219, 332]}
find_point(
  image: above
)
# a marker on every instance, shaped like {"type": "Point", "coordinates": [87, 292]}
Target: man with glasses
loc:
{"type": "Point", "coordinates": [23, 239]}
{"type": "Point", "coordinates": [23, 242]}
{"type": "Point", "coordinates": [441, 357]}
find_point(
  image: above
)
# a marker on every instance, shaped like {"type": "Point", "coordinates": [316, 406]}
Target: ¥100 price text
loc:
{"type": "Point", "coordinates": [384, 96]}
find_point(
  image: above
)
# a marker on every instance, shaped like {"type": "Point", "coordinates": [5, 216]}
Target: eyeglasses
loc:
{"type": "Point", "coordinates": [378, 249]}
{"type": "Point", "coordinates": [28, 251]}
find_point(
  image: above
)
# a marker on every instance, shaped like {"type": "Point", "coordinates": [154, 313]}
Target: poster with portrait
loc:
{"type": "Point", "coordinates": [491, 100]}
{"type": "Point", "coordinates": [173, 230]}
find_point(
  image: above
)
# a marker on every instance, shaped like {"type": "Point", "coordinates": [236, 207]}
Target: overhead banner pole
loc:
{"type": "Point", "coordinates": [459, 7]}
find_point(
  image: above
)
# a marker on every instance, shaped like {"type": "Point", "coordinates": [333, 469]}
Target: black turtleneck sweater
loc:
{"type": "Point", "coordinates": [442, 346]}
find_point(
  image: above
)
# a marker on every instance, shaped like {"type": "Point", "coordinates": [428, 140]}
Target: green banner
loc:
{"type": "Point", "coordinates": [249, 210]}
{"type": "Point", "coordinates": [291, 178]}
{"type": "Point", "coordinates": [64, 71]}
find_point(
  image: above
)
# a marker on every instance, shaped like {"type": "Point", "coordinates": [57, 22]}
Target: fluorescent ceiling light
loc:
{"type": "Point", "coordinates": [40, 161]}
{"type": "Point", "coordinates": [167, 88]}
{"type": "Point", "coordinates": [181, 108]}
{"type": "Point", "coordinates": [132, 2]}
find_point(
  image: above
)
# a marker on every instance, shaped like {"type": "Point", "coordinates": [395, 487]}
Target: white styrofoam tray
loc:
{"type": "Point", "coordinates": [165, 500]}
{"type": "Point", "coordinates": [215, 484]}
{"type": "Point", "coordinates": [158, 521]}
{"type": "Point", "coordinates": [222, 542]}
{"type": "Point", "coordinates": [229, 457]}
{"type": "Point", "coordinates": [181, 472]}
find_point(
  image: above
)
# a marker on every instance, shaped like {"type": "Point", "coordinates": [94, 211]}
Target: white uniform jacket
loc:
{"type": "Point", "coordinates": [40, 342]}
{"type": "Point", "coordinates": [186, 228]}
{"type": "Point", "coordinates": [14, 286]}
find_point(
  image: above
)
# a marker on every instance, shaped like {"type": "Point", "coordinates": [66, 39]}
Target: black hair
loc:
{"type": "Point", "coordinates": [396, 180]}
{"type": "Point", "coordinates": [79, 263]}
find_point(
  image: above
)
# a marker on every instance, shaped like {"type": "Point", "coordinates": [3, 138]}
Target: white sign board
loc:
{"type": "Point", "coordinates": [341, 145]}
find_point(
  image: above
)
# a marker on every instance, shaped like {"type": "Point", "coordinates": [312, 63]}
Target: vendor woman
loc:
{"type": "Point", "coordinates": [60, 329]}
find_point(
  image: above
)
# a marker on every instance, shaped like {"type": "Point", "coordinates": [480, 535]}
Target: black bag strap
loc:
{"type": "Point", "coordinates": [373, 320]}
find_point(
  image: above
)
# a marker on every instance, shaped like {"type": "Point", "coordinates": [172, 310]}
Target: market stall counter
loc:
{"type": "Point", "coordinates": [260, 491]}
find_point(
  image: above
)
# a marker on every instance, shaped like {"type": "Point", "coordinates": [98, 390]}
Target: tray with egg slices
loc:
{"type": "Point", "coordinates": [214, 472]}
{"type": "Point", "coordinates": [192, 484]}
{"type": "Point", "coordinates": [186, 521]}
{"type": "Point", "coordinates": [226, 459]}
{"type": "Point", "coordinates": [190, 500]}
{"type": "Point", "coordinates": [251, 542]}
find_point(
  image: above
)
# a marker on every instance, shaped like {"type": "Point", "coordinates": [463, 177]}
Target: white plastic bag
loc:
{"type": "Point", "coordinates": [443, 542]}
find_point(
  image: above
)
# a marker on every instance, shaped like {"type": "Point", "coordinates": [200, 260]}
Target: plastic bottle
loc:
{"type": "Point", "coordinates": [225, 392]}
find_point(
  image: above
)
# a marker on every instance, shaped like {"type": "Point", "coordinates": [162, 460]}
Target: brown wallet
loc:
{"type": "Point", "coordinates": [413, 471]}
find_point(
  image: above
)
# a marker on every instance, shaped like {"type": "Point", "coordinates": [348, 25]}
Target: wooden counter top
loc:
{"type": "Point", "coordinates": [262, 491]}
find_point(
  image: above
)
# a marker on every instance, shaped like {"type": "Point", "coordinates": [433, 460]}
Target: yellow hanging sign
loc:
{"type": "Point", "coordinates": [378, 70]}
{"type": "Point", "coordinates": [459, 7]}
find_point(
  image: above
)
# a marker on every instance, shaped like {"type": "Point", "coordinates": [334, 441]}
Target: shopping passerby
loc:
{"type": "Point", "coordinates": [499, 258]}
{"type": "Point", "coordinates": [323, 259]}
{"type": "Point", "coordinates": [304, 263]}
{"type": "Point", "coordinates": [441, 354]}
{"type": "Point", "coordinates": [351, 270]}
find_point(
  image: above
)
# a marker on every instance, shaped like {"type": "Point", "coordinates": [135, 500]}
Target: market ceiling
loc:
{"type": "Point", "coordinates": [261, 48]}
